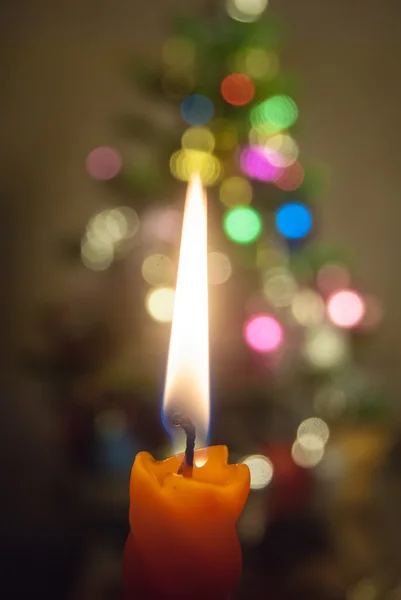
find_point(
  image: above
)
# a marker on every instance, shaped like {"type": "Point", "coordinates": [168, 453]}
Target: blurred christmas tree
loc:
{"type": "Point", "coordinates": [220, 104]}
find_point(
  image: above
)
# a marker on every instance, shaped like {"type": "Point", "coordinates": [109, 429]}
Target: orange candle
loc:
{"type": "Point", "coordinates": [183, 511]}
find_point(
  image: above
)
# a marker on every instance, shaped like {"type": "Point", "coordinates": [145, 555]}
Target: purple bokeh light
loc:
{"type": "Point", "coordinates": [255, 163]}
{"type": "Point", "coordinates": [103, 163]}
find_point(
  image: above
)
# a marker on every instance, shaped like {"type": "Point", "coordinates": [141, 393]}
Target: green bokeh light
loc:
{"type": "Point", "coordinates": [242, 224]}
{"type": "Point", "coordinates": [278, 111]}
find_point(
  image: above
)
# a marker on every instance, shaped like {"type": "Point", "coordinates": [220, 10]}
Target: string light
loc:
{"type": "Point", "coordinates": [159, 303]}
{"type": "Point", "coordinates": [237, 89]}
{"type": "Point", "coordinates": [326, 347]}
{"type": "Point", "coordinates": [235, 191]}
{"type": "Point", "coordinates": [96, 254]}
{"type": "Point", "coordinates": [198, 138]}
{"type": "Point", "coordinates": [103, 163]}
{"type": "Point", "coordinates": [263, 333]}
{"type": "Point", "coordinates": [157, 269]}
{"type": "Point", "coordinates": [281, 150]}
{"type": "Point", "coordinates": [279, 111]}
{"type": "Point", "coordinates": [246, 10]}
{"type": "Point", "coordinates": [304, 457]}
{"type": "Point", "coordinates": [260, 469]}
{"type": "Point", "coordinates": [291, 178]}
{"type": "Point", "coordinates": [308, 308]}
{"type": "Point", "coordinates": [279, 287]}
{"type": "Point", "coordinates": [293, 220]}
{"type": "Point", "coordinates": [255, 163]}
{"type": "Point", "coordinates": [313, 433]}
{"type": "Point", "coordinates": [185, 163]}
{"type": "Point", "coordinates": [345, 308]}
{"type": "Point", "coordinates": [197, 109]}
{"type": "Point", "coordinates": [242, 224]}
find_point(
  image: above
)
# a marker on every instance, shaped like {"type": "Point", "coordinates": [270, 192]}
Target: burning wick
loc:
{"type": "Point", "coordinates": [187, 464]}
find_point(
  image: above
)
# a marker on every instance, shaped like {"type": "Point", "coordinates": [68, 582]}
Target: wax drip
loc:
{"type": "Point", "coordinates": [187, 464]}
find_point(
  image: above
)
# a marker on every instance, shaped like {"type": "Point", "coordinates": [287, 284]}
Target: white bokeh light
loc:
{"type": "Point", "coordinates": [261, 470]}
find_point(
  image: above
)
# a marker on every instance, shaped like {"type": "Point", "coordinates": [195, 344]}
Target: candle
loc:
{"type": "Point", "coordinates": [183, 510]}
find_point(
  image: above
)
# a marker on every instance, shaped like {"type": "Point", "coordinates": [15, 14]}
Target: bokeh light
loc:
{"type": "Point", "coordinates": [281, 150]}
{"type": "Point", "coordinates": [198, 138]}
{"type": "Point", "coordinates": [260, 138]}
{"type": "Point", "coordinates": [161, 224]}
{"type": "Point", "coordinates": [237, 89]}
{"type": "Point", "coordinates": [326, 347]}
{"type": "Point", "coordinates": [293, 220]}
{"type": "Point", "coordinates": [179, 52]}
{"type": "Point", "coordinates": [332, 277]}
{"type": "Point", "coordinates": [255, 163]}
{"type": "Point", "coordinates": [263, 333]}
{"type": "Point", "coordinates": [96, 254]}
{"type": "Point", "coordinates": [242, 224]}
{"type": "Point", "coordinates": [279, 111]}
{"type": "Point", "coordinates": [306, 457]}
{"type": "Point", "coordinates": [345, 308]}
{"type": "Point", "coordinates": [261, 64]}
{"type": "Point", "coordinates": [225, 133]}
{"type": "Point", "coordinates": [197, 109]}
{"type": "Point", "coordinates": [219, 268]}
{"type": "Point", "coordinates": [313, 433]}
{"type": "Point", "coordinates": [260, 469]}
{"type": "Point", "coordinates": [157, 269]}
{"type": "Point", "coordinates": [185, 163]}
{"type": "Point", "coordinates": [235, 191]}
{"type": "Point", "coordinates": [246, 10]}
{"type": "Point", "coordinates": [279, 286]}
{"type": "Point", "coordinates": [159, 303]}
{"type": "Point", "coordinates": [103, 163]}
{"type": "Point", "coordinates": [308, 308]}
{"type": "Point", "coordinates": [291, 178]}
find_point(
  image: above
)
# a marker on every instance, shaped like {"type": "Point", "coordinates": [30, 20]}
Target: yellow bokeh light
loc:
{"type": "Point", "coordinates": [179, 52]}
{"type": "Point", "coordinates": [261, 138]}
{"type": "Point", "coordinates": [326, 346]}
{"type": "Point", "coordinates": [157, 269]}
{"type": "Point", "coordinates": [160, 304]}
{"type": "Point", "coordinates": [279, 287]}
{"type": "Point", "coordinates": [235, 191]}
{"type": "Point", "coordinates": [282, 150]}
{"type": "Point", "coordinates": [186, 163]}
{"type": "Point", "coordinates": [261, 64]}
{"type": "Point", "coordinates": [198, 138]}
{"type": "Point", "coordinates": [313, 433]}
{"type": "Point", "coordinates": [96, 254]}
{"type": "Point", "coordinates": [306, 457]}
{"type": "Point", "coordinates": [219, 268]}
{"type": "Point", "coordinates": [308, 308]}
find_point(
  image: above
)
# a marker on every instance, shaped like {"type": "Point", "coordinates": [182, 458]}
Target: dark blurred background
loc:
{"type": "Point", "coordinates": [83, 369]}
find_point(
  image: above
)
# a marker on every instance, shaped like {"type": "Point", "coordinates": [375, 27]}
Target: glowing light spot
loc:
{"type": "Point", "coordinates": [255, 163]}
{"type": "Point", "coordinates": [160, 304]}
{"type": "Point", "coordinates": [313, 433]}
{"type": "Point", "coordinates": [197, 109]}
{"type": "Point", "coordinates": [103, 163]}
{"type": "Point", "coordinates": [373, 313]}
{"type": "Point", "coordinates": [260, 138]}
{"type": "Point", "coordinates": [279, 111]}
{"type": "Point", "coordinates": [308, 308]}
{"type": "Point", "coordinates": [326, 347]}
{"type": "Point", "coordinates": [161, 224]}
{"type": "Point", "coordinates": [186, 163]}
{"type": "Point", "coordinates": [179, 52]}
{"type": "Point", "coordinates": [235, 191]}
{"type": "Point", "coordinates": [198, 138]}
{"type": "Point", "coordinates": [242, 224]}
{"type": "Point", "coordinates": [246, 10]}
{"type": "Point", "coordinates": [279, 287]}
{"type": "Point", "coordinates": [226, 135]}
{"type": "Point", "coordinates": [263, 333]}
{"type": "Point", "coordinates": [345, 308]}
{"type": "Point", "coordinates": [261, 64]}
{"type": "Point", "coordinates": [96, 254]}
{"type": "Point", "coordinates": [306, 457]}
{"type": "Point", "coordinates": [157, 269]}
{"type": "Point", "coordinates": [281, 150]}
{"type": "Point", "coordinates": [219, 268]}
{"type": "Point", "coordinates": [291, 178]}
{"type": "Point", "coordinates": [261, 470]}
{"type": "Point", "coordinates": [330, 401]}
{"type": "Point", "coordinates": [332, 277]}
{"type": "Point", "coordinates": [177, 83]}
{"type": "Point", "coordinates": [237, 89]}
{"type": "Point", "coordinates": [293, 220]}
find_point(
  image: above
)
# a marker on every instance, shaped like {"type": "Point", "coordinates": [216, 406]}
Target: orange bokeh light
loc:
{"type": "Point", "coordinates": [237, 89]}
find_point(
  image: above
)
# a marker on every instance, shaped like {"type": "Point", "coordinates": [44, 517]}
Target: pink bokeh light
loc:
{"type": "Point", "coordinates": [346, 308]}
{"type": "Point", "coordinates": [255, 163]}
{"type": "Point", "coordinates": [263, 333]}
{"type": "Point", "coordinates": [290, 178]}
{"type": "Point", "coordinates": [103, 163]}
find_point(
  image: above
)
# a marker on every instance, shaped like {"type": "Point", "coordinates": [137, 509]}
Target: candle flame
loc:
{"type": "Point", "coordinates": [187, 379]}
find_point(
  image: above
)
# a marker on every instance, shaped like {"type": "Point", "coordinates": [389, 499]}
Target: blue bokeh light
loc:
{"type": "Point", "coordinates": [293, 220]}
{"type": "Point", "coordinates": [197, 109]}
